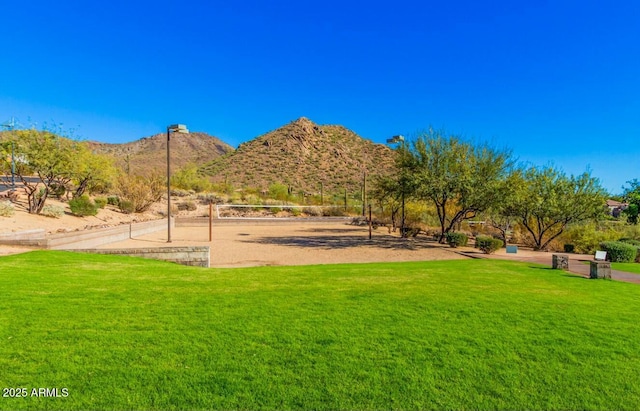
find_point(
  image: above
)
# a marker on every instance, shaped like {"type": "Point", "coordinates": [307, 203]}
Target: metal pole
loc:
{"type": "Point", "coordinates": [13, 169]}
{"type": "Point", "coordinates": [370, 222]}
{"type": "Point", "coordinates": [168, 186]}
{"type": "Point", "coordinates": [210, 221]}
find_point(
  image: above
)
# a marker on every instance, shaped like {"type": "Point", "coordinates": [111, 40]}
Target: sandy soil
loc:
{"type": "Point", "coordinates": [245, 244]}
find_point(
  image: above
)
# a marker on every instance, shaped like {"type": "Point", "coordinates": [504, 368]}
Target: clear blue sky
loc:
{"type": "Point", "coordinates": [556, 81]}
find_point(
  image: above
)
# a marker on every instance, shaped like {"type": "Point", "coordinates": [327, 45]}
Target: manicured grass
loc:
{"type": "Point", "coordinates": [125, 333]}
{"type": "Point", "coordinates": [627, 267]}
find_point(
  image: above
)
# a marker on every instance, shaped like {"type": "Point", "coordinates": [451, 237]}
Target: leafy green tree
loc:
{"type": "Point", "coordinates": [545, 201]}
{"type": "Point", "coordinates": [631, 195]}
{"type": "Point", "coordinates": [46, 156]}
{"type": "Point", "coordinates": [458, 177]}
{"type": "Point", "coordinates": [91, 172]}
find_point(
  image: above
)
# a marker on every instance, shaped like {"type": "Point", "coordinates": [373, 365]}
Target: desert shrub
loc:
{"type": "Point", "coordinates": [57, 190]}
{"type": "Point", "coordinates": [113, 200]}
{"type": "Point", "coordinates": [275, 210]}
{"type": "Point", "coordinates": [569, 248]}
{"type": "Point", "coordinates": [126, 206]}
{"type": "Point", "coordinates": [313, 211]}
{"type": "Point", "coordinates": [333, 212]}
{"type": "Point", "coordinates": [140, 192]}
{"type": "Point", "coordinates": [209, 198]}
{"type": "Point", "coordinates": [179, 192]}
{"type": "Point", "coordinates": [457, 239]}
{"type": "Point", "coordinates": [488, 245]}
{"type": "Point", "coordinates": [188, 179]}
{"type": "Point", "coordinates": [101, 202]}
{"type": "Point", "coordinates": [83, 206]}
{"type": "Point", "coordinates": [6, 209]}
{"type": "Point", "coordinates": [619, 252]}
{"type": "Point", "coordinates": [52, 211]}
{"type": "Point", "coordinates": [586, 238]}
{"type": "Point", "coordinates": [187, 206]}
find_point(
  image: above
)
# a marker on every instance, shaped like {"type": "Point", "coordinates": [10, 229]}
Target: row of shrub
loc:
{"type": "Point", "coordinates": [623, 251]}
{"type": "Point", "coordinates": [486, 244]}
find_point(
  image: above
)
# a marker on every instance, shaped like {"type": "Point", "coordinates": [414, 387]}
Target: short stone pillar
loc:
{"type": "Point", "coordinates": [560, 262]}
{"type": "Point", "coordinates": [600, 269]}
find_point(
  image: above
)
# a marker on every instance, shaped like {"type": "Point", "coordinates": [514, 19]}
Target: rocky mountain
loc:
{"type": "Point", "coordinates": [303, 155]}
{"type": "Point", "coordinates": [150, 153]}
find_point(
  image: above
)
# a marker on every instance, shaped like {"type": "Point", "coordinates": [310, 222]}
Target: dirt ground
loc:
{"type": "Point", "coordinates": [245, 244]}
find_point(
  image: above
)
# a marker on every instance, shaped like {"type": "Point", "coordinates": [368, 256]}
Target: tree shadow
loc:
{"type": "Point", "coordinates": [332, 242]}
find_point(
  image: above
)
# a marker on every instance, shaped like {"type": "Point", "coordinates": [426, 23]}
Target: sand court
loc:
{"type": "Point", "coordinates": [247, 243]}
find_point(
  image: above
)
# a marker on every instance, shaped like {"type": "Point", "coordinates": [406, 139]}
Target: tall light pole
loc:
{"type": "Point", "coordinates": [395, 140]}
{"type": "Point", "coordinates": [174, 128]}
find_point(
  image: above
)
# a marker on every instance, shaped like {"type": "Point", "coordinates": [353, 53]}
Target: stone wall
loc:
{"type": "Point", "coordinates": [193, 256]}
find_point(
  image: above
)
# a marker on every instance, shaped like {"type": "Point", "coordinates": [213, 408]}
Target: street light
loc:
{"type": "Point", "coordinates": [174, 128]}
{"type": "Point", "coordinates": [395, 140]}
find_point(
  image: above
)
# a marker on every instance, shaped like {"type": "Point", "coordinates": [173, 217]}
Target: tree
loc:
{"type": "Point", "coordinates": [90, 171]}
{"type": "Point", "coordinates": [458, 177]}
{"type": "Point", "coordinates": [498, 215]}
{"type": "Point", "coordinates": [631, 195]}
{"type": "Point", "coordinates": [545, 201]}
{"type": "Point", "coordinates": [47, 157]}
{"type": "Point", "coordinates": [387, 192]}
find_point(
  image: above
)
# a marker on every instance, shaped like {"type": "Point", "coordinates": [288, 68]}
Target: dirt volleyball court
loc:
{"type": "Point", "coordinates": [258, 243]}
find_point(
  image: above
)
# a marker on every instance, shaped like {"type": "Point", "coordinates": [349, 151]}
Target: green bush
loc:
{"type": "Point", "coordinates": [488, 245]}
{"type": "Point", "coordinates": [619, 252]}
{"type": "Point", "coordinates": [126, 206]}
{"type": "Point", "coordinates": [630, 241]}
{"type": "Point", "coordinates": [569, 248]}
{"type": "Point", "coordinates": [83, 206]}
{"type": "Point", "coordinates": [457, 239]}
{"type": "Point", "coordinates": [52, 211]}
{"type": "Point", "coordinates": [113, 200]}
{"type": "Point", "coordinates": [101, 202]}
{"type": "Point", "coordinates": [6, 209]}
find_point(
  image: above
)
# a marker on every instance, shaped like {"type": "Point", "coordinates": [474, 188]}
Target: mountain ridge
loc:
{"type": "Point", "coordinates": [304, 156]}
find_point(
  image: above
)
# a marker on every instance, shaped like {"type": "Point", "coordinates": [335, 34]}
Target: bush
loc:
{"type": "Point", "coordinates": [101, 202]}
{"type": "Point", "coordinates": [488, 245]}
{"type": "Point", "coordinates": [113, 200]}
{"type": "Point", "coordinates": [140, 192]}
{"type": "Point", "coordinates": [619, 252]}
{"type": "Point", "coordinates": [126, 206]}
{"type": "Point", "coordinates": [187, 206]}
{"type": "Point", "coordinates": [569, 248]}
{"type": "Point", "coordinates": [52, 211]}
{"type": "Point", "coordinates": [6, 209]}
{"type": "Point", "coordinates": [457, 239]}
{"type": "Point", "coordinates": [630, 241]}
{"type": "Point", "coordinates": [83, 206]}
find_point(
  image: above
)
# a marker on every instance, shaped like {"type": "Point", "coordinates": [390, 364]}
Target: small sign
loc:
{"type": "Point", "coordinates": [600, 255]}
{"type": "Point", "coordinates": [512, 249]}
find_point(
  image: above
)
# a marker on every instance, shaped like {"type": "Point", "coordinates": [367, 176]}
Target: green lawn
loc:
{"type": "Point", "coordinates": [125, 333]}
{"type": "Point", "coordinates": [628, 267]}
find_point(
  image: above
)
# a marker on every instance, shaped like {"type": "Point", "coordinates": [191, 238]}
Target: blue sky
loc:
{"type": "Point", "coordinates": [556, 81]}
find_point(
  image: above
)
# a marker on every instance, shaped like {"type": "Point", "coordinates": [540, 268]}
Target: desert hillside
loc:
{"type": "Point", "coordinates": [150, 153]}
{"type": "Point", "coordinates": [303, 155]}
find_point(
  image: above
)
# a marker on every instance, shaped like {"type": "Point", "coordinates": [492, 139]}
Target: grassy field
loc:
{"type": "Point", "coordinates": [628, 267]}
{"type": "Point", "coordinates": [125, 333]}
